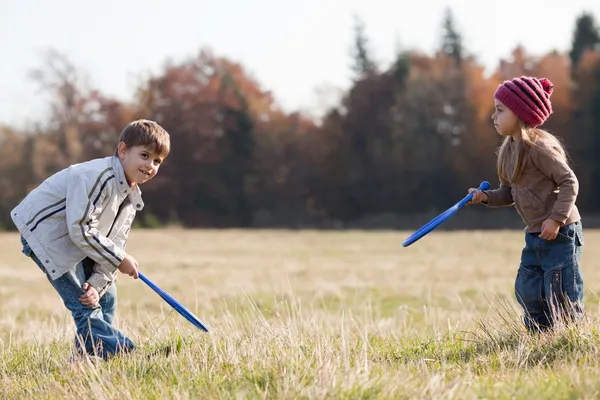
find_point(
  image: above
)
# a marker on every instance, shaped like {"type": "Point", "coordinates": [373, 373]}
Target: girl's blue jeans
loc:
{"type": "Point", "coordinates": [95, 332]}
{"type": "Point", "coordinates": [549, 283]}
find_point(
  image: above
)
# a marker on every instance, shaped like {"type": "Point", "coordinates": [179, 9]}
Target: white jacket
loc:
{"type": "Point", "coordinates": [74, 214]}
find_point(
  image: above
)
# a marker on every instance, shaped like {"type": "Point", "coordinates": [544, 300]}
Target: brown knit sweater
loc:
{"type": "Point", "coordinates": [547, 188]}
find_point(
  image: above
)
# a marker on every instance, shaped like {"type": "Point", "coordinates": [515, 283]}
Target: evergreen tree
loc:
{"type": "Point", "coordinates": [363, 64]}
{"type": "Point", "coordinates": [585, 37]}
{"type": "Point", "coordinates": [452, 42]}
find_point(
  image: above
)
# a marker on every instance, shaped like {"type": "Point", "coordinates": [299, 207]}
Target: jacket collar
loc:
{"type": "Point", "coordinates": [123, 189]}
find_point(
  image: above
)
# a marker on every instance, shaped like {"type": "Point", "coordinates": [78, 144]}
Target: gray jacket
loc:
{"type": "Point", "coordinates": [85, 210]}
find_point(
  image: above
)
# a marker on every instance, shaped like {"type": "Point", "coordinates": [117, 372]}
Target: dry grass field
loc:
{"type": "Point", "coordinates": [305, 315]}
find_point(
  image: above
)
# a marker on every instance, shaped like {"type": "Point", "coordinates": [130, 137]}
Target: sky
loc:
{"type": "Point", "coordinates": [299, 50]}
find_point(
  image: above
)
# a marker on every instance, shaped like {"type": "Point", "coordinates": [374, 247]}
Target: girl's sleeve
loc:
{"type": "Point", "coordinates": [564, 178]}
{"type": "Point", "coordinates": [500, 197]}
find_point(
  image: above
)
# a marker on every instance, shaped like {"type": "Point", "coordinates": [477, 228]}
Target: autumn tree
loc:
{"type": "Point", "coordinates": [209, 105]}
{"type": "Point", "coordinates": [60, 78]}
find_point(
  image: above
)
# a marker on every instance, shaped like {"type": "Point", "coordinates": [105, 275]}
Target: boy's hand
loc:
{"type": "Point", "coordinates": [550, 229]}
{"type": "Point", "coordinates": [129, 266]}
{"type": "Point", "coordinates": [90, 298]}
{"type": "Point", "coordinates": [478, 197]}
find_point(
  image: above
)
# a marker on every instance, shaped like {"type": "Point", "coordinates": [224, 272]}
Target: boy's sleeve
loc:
{"type": "Point", "coordinates": [84, 204]}
{"type": "Point", "coordinates": [564, 177]}
{"type": "Point", "coordinates": [102, 278]}
{"type": "Point", "coordinates": [501, 197]}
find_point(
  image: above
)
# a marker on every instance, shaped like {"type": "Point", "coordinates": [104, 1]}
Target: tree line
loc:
{"type": "Point", "coordinates": [406, 139]}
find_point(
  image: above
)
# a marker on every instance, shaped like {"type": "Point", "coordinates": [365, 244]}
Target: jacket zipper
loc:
{"type": "Point", "coordinates": [121, 207]}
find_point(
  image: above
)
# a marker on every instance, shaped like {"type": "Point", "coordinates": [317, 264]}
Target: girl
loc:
{"type": "Point", "coordinates": [536, 178]}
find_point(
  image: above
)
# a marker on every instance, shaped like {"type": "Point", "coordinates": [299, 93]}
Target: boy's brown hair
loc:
{"type": "Point", "coordinates": [143, 132]}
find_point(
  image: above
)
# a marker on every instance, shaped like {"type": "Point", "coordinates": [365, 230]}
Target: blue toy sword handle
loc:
{"type": "Point", "coordinates": [483, 186]}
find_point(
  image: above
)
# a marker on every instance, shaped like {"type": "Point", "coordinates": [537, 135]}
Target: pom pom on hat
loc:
{"type": "Point", "coordinates": [547, 86]}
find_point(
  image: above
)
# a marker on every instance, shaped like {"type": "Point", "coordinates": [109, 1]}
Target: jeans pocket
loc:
{"type": "Point", "coordinates": [579, 238]}
{"type": "Point", "coordinates": [565, 286]}
{"type": "Point", "coordinates": [564, 238]}
{"type": "Point", "coordinates": [571, 233]}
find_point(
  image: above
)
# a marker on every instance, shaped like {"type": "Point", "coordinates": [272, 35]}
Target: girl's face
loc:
{"type": "Point", "coordinates": [505, 121]}
{"type": "Point", "coordinates": [139, 163]}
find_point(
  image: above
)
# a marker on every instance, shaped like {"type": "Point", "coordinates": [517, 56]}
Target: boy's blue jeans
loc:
{"type": "Point", "coordinates": [94, 324]}
{"type": "Point", "coordinates": [549, 283]}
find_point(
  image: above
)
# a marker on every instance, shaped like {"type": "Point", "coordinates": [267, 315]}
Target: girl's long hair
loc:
{"type": "Point", "coordinates": [530, 137]}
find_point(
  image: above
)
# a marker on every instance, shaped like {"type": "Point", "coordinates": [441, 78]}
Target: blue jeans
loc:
{"type": "Point", "coordinates": [549, 283]}
{"type": "Point", "coordinates": [94, 324]}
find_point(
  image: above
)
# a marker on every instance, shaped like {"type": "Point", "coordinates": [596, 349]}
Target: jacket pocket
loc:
{"type": "Point", "coordinates": [530, 206]}
{"type": "Point", "coordinates": [57, 232]}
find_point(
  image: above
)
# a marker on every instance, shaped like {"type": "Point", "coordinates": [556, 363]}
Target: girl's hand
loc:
{"type": "Point", "coordinates": [550, 229]}
{"type": "Point", "coordinates": [478, 197]}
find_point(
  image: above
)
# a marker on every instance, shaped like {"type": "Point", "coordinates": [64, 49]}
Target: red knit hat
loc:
{"type": "Point", "coordinates": [528, 98]}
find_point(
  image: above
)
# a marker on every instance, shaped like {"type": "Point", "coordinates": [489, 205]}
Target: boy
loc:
{"type": "Point", "coordinates": [75, 227]}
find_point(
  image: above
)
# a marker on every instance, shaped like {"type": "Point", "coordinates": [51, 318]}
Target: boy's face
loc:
{"type": "Point", "coordinates": [139, 162]}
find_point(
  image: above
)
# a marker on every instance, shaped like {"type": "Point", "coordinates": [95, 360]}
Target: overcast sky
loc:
{"type": "Point", "coordinates": [292, 48]}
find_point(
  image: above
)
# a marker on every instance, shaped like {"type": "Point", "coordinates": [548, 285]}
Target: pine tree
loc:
{"type": "Point", "coordinates": [363, 64]}
{"type": "Point", "coordinates": [452, 42]}
{"type": "Point", "coordinates": [585, 37]}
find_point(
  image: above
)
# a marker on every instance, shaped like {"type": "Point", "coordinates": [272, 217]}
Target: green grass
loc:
{"type": "Point", "coordinates": [305, 315]}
